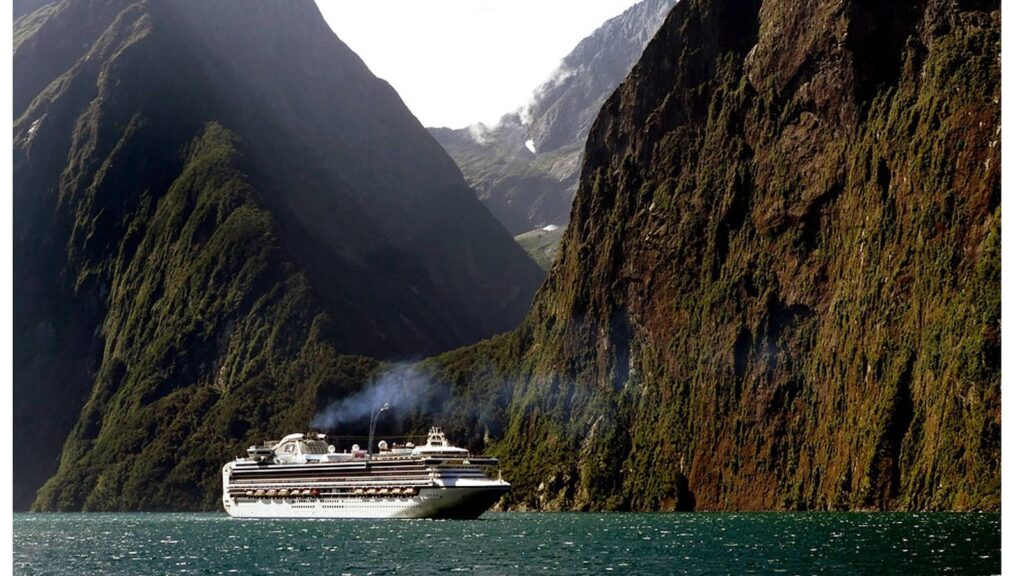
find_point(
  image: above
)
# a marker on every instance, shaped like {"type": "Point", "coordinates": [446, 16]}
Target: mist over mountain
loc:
{"type": "Point", "coordinates": [780, 283]}
{"type": "Point", "coordinates": [527, 189]}
{"type": "Point", "coordinates": [214, 201]}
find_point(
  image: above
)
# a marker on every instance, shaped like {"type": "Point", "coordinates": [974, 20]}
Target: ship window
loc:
{"type": "Point", "coordinates": [316, 447]}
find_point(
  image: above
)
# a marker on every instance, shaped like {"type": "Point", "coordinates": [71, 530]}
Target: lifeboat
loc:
{"type": "Point", "coordinates": [260, 492]}
{"type": "Point", "coordinates": [296, 492]}
{"type": "Point", "coordinates": [306, 492]}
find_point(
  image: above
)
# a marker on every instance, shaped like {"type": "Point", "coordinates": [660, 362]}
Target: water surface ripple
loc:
{"type": "Point", "coordinates": [511, 543]}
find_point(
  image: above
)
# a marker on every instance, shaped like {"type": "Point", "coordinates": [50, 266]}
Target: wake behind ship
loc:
{"type": "Point", "coordinates": [303, 477]}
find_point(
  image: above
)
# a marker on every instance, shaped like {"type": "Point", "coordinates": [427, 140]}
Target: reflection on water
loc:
{"type": "Point", "coordinates": [511, 543]}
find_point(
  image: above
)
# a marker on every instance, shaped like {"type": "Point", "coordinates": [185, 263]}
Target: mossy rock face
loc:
{"type": "Point", "coordinates": [780, 285]}
{"type": "Point", "coordinates": [217, 208]}
{"type": "Point", "coordinates": [779, 288]}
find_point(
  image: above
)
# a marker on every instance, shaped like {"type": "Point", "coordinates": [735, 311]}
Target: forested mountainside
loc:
{"type": "Point", "coordinates": [780, 284]}
{"type": "Point", "coordinates": [214, 201]}
{"type": "Point", "coordinates": [528, 189]}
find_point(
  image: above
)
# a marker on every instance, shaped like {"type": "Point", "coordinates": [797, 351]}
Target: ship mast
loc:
{"type": "Point", "coordinates": [373, 424]}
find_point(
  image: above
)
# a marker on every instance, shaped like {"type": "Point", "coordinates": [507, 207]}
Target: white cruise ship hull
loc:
{"type": "Point", "coordinates": [441, 502]}
{"type": "Point", "coordinates": [301, 477]}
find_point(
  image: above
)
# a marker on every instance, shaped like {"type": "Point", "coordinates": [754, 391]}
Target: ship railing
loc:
{"type": "Point", "coordinates": [460, 461]}
{"type": "Point", "coordinates": [326, 486]}
{"type": "Point", "coordinates": [232, 487]}
{"type": "Point", "coordinates": [348, 478]}
{"type": "Point", "coordinates": [321, 487]}
{"type": "Point", "coordinates": [410, 456]}
{"type": "Point", "coordinates": [332, 482]}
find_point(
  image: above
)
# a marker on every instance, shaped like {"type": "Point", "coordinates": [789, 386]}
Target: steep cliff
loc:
{"type": "Point", "coordinates": [779, 287]}
{"type": "Point", "coordinates": [780, 284]}
{"type": "Point", "coordinates": [527, 189]}
{"type": "Point", "coordinates": [213, 203]}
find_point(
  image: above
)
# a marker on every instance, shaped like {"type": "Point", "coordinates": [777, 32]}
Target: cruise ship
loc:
{"type": "Point", "coordinates": [301, 476]}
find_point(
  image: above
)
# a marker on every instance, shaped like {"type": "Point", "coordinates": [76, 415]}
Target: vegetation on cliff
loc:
{"type": "Point", "coordinates": [780, 283]}
{"type": "Point", "coordinates": [779, 286]}
{"type": "Point", "coordinates": [214, 206]}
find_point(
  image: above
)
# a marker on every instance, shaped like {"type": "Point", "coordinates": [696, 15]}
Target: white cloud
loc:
{"type": "Point", "coordinates": [480, 132]}
{"type": "Point", "coordinates": [458, 62]}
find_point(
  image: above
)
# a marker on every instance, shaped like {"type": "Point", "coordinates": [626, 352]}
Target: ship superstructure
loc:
{"type": "Point", "coordinates": [302, 476]}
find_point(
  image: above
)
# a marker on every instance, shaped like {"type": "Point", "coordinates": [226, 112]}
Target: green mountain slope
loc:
{"type": "Point", "coordinates": [542, 244]}
{"type": "Point", "coordinates": [212, 206]}
{"type": "Point", "coordinates": [780, 285]}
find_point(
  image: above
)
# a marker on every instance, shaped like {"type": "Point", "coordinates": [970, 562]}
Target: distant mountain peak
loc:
{"type": "Point", "coordinates": [565, 105]}
{"type": "Point", "coordinates": [525, 168]}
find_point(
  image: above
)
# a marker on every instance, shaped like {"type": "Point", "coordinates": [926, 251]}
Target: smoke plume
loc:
{"type": "Point", "coordinates": [402, 386]}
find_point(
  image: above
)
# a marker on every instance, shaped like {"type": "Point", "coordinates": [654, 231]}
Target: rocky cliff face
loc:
{"type": "Point", "coordinates": [780, 284]}
{"type": "Point", "coordinates": [527, 189]}
{"type": "Point", "coordinates": [779, 287]}
{"type": "Point", "coordinates": [212, 203]}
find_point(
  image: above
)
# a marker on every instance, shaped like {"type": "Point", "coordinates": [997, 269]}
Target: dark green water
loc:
{"type": "Point", "coordinates": [510, 543]}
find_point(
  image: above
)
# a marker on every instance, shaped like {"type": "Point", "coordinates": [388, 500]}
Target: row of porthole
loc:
{"type": "Point", "coordinates": [352, 499]}
{"type": "Point", "coordinates": [343, 506]}
{"type": "Point", "coordinates": [312, 506]}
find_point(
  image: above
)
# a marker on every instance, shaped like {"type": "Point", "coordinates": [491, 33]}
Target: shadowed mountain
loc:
{"type": "Point", "coordinates": [213, 201]}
